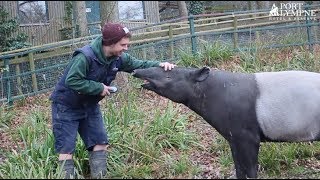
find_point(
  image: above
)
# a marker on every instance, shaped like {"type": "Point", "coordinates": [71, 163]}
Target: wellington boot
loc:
{"type": "Point", "coordinates": [98, 164]}
{"type": "Point", "coordinates": [68, 168]}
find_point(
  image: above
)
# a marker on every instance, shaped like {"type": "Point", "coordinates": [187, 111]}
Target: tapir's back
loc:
{"type": "Point", "coordinates": [288, 105]}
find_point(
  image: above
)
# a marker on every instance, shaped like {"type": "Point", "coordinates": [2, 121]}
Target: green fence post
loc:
{"type": "Point", "coordinates": [192, 31]}
{"type": "Point", "coordinates": [19, 82]}
{"type": "Point", "coordinates": [6, 75]}
{"type": "Point", "coordinates": [308, 30]}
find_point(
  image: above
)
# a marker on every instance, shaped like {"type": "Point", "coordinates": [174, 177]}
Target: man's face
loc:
{"type": "Point", "coordinates": [118, 48]}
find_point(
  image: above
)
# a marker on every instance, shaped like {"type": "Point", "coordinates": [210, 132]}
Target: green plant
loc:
{"type": "Point", "coordinates": [216, 52]}
{"type": "Point", "coordinates": [209, 54]}
{"type": "Point", "coordinates": [188, 60]}
{"type": "Point", "coordinates": [6, 115]}
{"type": "Point", "coordinates": [68, 13]}
{"type": "Point", "coordinates": [277, 157]}
{"type": "Point", "coordinates": [9, 40]}
{"type": "Point", "coordinates": [66, 31]}
{"type": "Point", "coordinates": [222, 148]}
{"type": "Point", "coordinates": [195, 7]}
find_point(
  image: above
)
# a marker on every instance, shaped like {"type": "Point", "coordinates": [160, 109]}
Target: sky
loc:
{"type": "Point", "coordinates": [130, 9]}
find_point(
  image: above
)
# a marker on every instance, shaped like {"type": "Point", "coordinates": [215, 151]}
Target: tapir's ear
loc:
{"type": "Point", "coordinates": [202, 74]}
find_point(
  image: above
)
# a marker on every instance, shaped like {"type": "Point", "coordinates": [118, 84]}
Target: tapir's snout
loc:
{"type": "Point", "coordinates": [135, 73]}
{"type": "Point", "coordinates": [151, 72]}
{"type": "Point", "coordinates": [141, 73]}
{"type": "Point", "coordinates": [138, 73]}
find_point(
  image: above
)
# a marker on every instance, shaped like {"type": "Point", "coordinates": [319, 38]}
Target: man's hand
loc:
{"type": "Point", "coordinates": [167, 66]}
{"type": "Point", "coordinates": [105, 90]}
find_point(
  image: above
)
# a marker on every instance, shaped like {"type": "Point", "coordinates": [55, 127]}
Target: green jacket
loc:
{"type": "Point", "coordinates": [76, 77]}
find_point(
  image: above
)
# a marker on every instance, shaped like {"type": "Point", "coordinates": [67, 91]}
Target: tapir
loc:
{"type": "Point", "coordinates": [245, 108]}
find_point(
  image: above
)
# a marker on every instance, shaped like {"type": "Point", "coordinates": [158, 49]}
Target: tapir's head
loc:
{"type": "Point", "coordinates": [177, 84]}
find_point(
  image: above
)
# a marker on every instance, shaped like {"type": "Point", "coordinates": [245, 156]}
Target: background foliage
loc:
{"type": "Point", "coordinates": [7, 28]}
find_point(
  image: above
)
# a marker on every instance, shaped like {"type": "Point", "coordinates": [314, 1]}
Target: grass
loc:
{"type": "Point", "coordinates": [5, 117]}
{"type": "Point", "coordinates": [275, 159]}
{"type": "Point", "coordinates": [209, 54]}
{"type": "Point", "coordinates": [152, 137]}
{"type": "Point", "coordinates": [139, 143]}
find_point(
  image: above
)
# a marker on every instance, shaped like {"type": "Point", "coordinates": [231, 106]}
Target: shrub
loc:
{"type": "Point", "coordinates": [8, 27]}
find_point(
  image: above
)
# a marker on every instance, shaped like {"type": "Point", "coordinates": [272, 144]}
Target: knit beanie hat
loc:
{"type": "Point", "coordinates": [113, 32]}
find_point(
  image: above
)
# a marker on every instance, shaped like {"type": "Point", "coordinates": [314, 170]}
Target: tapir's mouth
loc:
{"type": "Point", "coordinates": [148, 84]}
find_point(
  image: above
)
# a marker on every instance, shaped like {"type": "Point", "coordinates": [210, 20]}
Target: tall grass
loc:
{"type": "Point", "coordinates": [6, 115]}
{"type": "Point", "coordinates": [34, 156]}
{"type": "Point", "coordinates": [140, 144]}
{"type": "Point", "coordinates": [288, 59]}
{"type": "Point", "coordinates": [209, 54]}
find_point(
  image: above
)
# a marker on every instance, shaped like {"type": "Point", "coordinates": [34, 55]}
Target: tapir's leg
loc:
{"type": "Point", "coordinates": [245, 156]}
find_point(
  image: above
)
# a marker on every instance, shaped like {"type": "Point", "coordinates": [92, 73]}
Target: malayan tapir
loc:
{"type": "Point", "coordinates": [245, 108]}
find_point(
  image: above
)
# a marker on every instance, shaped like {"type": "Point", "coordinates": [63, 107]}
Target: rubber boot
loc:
{"type": "Point", "coordinates": [98, 164]}
{"type": "Point", "coordinates": [68, 168]}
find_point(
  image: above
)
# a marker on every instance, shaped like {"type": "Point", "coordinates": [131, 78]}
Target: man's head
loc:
{"type": "Point", "coordinates": [115, 37]}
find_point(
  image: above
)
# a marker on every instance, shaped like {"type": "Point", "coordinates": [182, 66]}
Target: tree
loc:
{"type": "Point", "coordinates": [130, 11]}
{"type": "Point", "coordinates": [32, 12]}
{"type": "Point", "coordinates": [82, 18]}
{"type": "Point", "coordinates": [195, 7]}
{"type": "Point", "coordinates": [109, 11]}
{"type": "Point", "coordinates": [151, 10]}
{"type": "Point", "coordinates": [10, 40]}
{"type": "Point", "coordinates": [182, 6]}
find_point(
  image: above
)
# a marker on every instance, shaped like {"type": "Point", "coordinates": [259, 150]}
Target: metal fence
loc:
{"type": "Point", "coordinates": [35, 70]}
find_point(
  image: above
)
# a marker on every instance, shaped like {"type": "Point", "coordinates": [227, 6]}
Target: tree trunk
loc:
{"type": "Point", "coordinates": [152, 15]}
{"type": "Point", "coordinates": [82, 18]}
{"type": "Point", "coordinates": [109, 12]}
{"type": "Point", "coordinates": [152, 11]}
{"type": "Point", "coordinates": [183, 11]}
